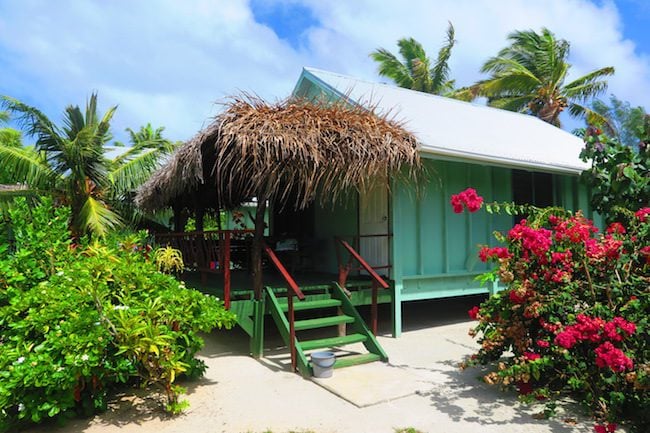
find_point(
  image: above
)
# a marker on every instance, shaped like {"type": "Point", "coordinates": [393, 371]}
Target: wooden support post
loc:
{"type": "Point", "coordinates": [257, 341]}
{"type": "Point", "coordinates": [342, 328]}
{"type": "Point", "coordinates": [226, 269]}
{"type": "Point", "coordinates": [256, 253]}
{"type": "Point", "coordinates": [373, 307]}
{"type": "Point", "coordinates": [292, 330]}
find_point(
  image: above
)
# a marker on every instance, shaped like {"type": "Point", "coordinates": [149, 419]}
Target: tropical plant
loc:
{"type": "Point", "coordinates": [619, 175]}
{"type": "Point", "coordinates": [416, 70]}
{"type": "Point", "coordinates": [80, 321]}
{"type": "Point", "coordinates": [70, 163]}
{"type": "Point", "coordinates": [9, 137]}
{"type": "Point", "coordinates": [529, 76]}
{"type": "Point", "coordinates": [624, 122]}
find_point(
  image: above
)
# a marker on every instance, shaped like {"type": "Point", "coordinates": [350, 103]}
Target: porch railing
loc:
{"type": "Point", "coordinates": [209, 252]}
{"type": "Point", "coordinates": [293, 290]}
{"type": "Point", "coordinates": [377, 281]}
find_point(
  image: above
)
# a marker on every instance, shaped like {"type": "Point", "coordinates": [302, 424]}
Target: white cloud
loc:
{"type": "Point", "coordinates": [166, 62]}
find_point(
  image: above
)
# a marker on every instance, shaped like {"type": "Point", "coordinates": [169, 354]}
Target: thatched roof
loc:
{"type": "Point", "coordinates": [291, 148]}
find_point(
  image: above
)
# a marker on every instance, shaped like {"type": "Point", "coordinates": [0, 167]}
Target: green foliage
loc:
{"type": "Point", "coordinates": [624, 122]}
{"type": "Point", "coordinates": [69, 162]}
{"type": "Point", "coordinates": [619, 175]}
{"type": "Point", "coordinates": [529, 76]}
{"type": "Point", "coordinates": [168, 260]}
{"type": "Point", "coordinates": [78, 320]}
{"type": "Point", "coordinates": [416, 70]}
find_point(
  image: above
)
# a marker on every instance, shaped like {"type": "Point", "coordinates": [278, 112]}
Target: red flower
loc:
{"type": "Point", "coordinates": [543, 343]}
{"type": "Point", "coordinates": [469, 198]}
{"type": "Point", "coordinates": [609, 356]}
{"type": "Point", "coordinates": [487, 253]}
{"type": "Point", "coordinates": [616, 228]}
{"type": "Point", "coordinates": [645, 251]}
{"type": "Point", "coordinates": [642, 213]}
{"type": "Point", "coordinates": [473, 313]}
{"type": "Point", "coordinates": [516, 298]}
{"type": "Point", "coordinates": [531, 356]}
{"type": "Point", "coordinates": [566, 339]}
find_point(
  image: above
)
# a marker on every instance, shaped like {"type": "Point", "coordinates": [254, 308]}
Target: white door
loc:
{"type": "Point", "coordinates": [373, 220]}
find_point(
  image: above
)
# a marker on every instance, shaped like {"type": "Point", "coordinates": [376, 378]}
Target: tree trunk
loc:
{"type": "Point", "coordinates": [256, 253]}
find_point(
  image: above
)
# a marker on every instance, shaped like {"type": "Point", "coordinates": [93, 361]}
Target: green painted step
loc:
{"type": "Point", "coordinates": [333, 341]}
{"type": "Point", "coordinates": [311, 305]}
{"type": "Point", "coordinates": [348, 361]}
{"type": "Point", "coordinates": [322, 322]}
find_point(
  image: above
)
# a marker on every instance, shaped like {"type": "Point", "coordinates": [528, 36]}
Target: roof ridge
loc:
{"type": "Point", "coordinates": [430, 95]}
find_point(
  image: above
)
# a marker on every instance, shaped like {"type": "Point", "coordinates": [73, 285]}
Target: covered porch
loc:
{"type": "Point", "coordinates": [319, 236]}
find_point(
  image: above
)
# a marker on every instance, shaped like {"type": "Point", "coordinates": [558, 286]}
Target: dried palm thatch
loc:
{"type": "Point", "coordinates": [286, 152]}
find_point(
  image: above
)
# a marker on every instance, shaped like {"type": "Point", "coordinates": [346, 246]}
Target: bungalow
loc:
{"type": "Point", "coordinates": [349, 172]}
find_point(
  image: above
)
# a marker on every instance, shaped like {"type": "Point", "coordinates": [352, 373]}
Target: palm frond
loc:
{"type": "Point", "coordinates": [511, 103]}
{"type": "Point", "coordinates": [391, 67]}
{"type": "Point", "coordinates": [440, 71]}
{"type": "Point", "coordinates": [592, 117]}
{"type": "Point", "coordinates": [96, 218]}
{"type": "Point", "coordinates": [34, 123]}
{"type": "Point", "coordinates": [132, 173]}
{"type": "Point", "coordinates": [24, 165]}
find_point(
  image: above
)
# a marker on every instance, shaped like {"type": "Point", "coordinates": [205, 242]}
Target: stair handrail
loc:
{"type": "Point", "coordinates": [294, 290]}
{"type": "Point", "coordinates": [377, 281]}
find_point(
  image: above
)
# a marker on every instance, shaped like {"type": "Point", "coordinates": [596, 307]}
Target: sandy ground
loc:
{"type": "Point", "coordinates": [241, 394]}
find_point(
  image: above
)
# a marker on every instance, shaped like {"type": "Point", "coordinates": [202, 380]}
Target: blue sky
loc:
{"type": "Point", "coordinates": [169, 61]}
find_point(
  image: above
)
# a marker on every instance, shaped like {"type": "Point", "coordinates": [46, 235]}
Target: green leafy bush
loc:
{"type": "Point", "coordinates": [619, 175]}
{"type": "Point", "coordinates": [78, 320]}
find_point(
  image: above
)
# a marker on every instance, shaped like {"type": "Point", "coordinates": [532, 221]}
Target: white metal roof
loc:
{"type": "Point", "coordinates": [460, 130]}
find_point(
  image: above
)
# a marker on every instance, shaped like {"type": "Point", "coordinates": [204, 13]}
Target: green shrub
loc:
{"type": "Point", "coordinates": [78, 320]}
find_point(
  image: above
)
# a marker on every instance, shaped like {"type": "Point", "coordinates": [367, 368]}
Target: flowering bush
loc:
{"type": "Point", "coordinates": [77, 321]}
{"type": "Point", "coordinates": [573, 319]}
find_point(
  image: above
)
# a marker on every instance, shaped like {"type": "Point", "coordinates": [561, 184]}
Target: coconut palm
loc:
{"type": "Point", "coordinates": [529, 76]}
{"type": "Point", "coordinates": [70, 163]}
{"type": "Point", "coordinates": [416, 70]}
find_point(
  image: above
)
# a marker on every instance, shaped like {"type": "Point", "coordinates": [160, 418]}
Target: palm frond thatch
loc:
{"type": "Point", "coordinates": [292, 148]}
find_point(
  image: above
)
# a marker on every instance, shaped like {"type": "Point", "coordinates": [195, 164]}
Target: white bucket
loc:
{"type": "Point", "coordinates": [323, 364]}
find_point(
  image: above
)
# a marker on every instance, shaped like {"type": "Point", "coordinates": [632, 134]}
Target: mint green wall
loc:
{"type": "Point", "coordinates": [337, 220]}
{"type": "Point", "coordinates": [434, 249]}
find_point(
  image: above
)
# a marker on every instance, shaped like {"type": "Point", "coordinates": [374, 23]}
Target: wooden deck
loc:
{"type": "Point", "coordinates": [314, 284]}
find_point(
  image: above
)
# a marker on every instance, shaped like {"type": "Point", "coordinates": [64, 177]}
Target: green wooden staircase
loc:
{"type": "Point", "coordinates": [334, 309]}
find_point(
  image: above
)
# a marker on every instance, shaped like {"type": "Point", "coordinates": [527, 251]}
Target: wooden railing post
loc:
{"type": "Point", "coordinates": [226, 269]}
{"type": "Point", "coordinates": [377, 282]}
{"type": "Point", "coordinates": [292, 331]}
{"type": "Point", "coordinates": [292, 290]}
{"type": "Point", "coordinates": [373, 307]}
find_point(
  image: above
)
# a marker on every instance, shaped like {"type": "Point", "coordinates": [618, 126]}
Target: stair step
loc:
{"type": "Point", "coordinates": [333, 341]}
{"type": "Point", "coordinates": [347, 361]}
{"type": "Point", "coordinates": [322, 322]}
{"type": "Point", "coordinates": [311, 305]}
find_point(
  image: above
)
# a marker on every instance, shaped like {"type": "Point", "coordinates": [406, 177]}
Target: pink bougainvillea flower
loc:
{"type": "Point", "coordinates": [531, 356]}
{"type": "Point", "coordinates": [543, 343]}
{"type": "Point", "coordinates": [609, 428]}
{"type": "Point", "coordinates": [642, 213]}
{"type": "Point", "coordinates": [609, 356]}
{"type": "Point", "coordinates": [487, 253]}
{"type": "Point", "coordinates": [473, 313]}
{"type": "Point", "coordinates": [468, 198]}
{"type": "Point", "coordinates": [616, 228]}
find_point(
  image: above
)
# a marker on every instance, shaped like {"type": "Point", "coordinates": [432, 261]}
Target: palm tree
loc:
{"type": "Point", "coordinates": [529, 76]}
{"type": "Point", "coordinates": [70, 163]}
{"type": "Point", "coordinates": [416, 70]}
